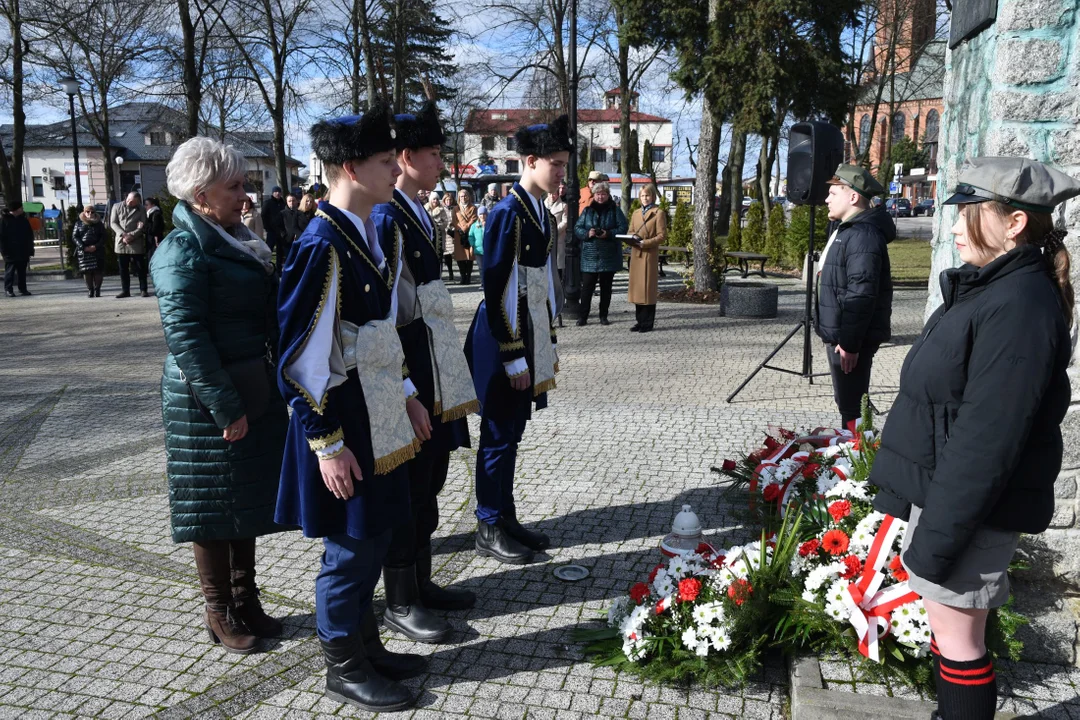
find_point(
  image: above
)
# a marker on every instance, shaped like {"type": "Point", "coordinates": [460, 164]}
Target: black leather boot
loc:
{"type": "Point", "coordinates": [351, 679]}
{"type": "Point", "coordinates": [404, 611]}
{"type": "Point", "coordinates": [432, 595]}
{"type": "Point", "coordinates": [494, 541]}
{"type": "Point", "coordinates": [396, 666]}
{"type": "Point", "coordinates": [532, 539]}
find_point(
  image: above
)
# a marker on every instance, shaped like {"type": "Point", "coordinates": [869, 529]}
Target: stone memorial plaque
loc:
{"type": "Point", "coordinates": [969, 18]}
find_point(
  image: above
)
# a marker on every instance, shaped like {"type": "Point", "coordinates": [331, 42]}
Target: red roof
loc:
{"type": "Point", "coordinates": [618, 91]}
{"type": "Point", "coordinates": [481, 122]}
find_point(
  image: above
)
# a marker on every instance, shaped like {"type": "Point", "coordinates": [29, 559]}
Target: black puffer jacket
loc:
{"type": "Point", "coordinates": [855, 286]}
{"type": "Point", "coordinates": [974, 437]}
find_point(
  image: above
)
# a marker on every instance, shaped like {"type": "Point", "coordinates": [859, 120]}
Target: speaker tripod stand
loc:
{"type": "Point", "coordinates": [806, 324]}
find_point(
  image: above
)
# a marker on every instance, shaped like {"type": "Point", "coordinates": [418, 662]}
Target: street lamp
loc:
{"type": "Point", "coordinates": [119, 159]}
{"type": "Point", "coordinates": [71, 86]}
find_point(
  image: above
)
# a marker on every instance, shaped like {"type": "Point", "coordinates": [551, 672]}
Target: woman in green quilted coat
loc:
{"type": "Point", "coordinates": [225, 422]}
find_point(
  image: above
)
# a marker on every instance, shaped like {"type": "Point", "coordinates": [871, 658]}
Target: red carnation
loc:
{"type": "Point", "coordinates": [729, 465]}
{"type": "Point", "coordinates": [689, 589]}
{"type": "Point", "coordinates": [840, 510]}
{"type": "Point", "coordinates": [740, 591]}
{"type": "Point", "coordinates": [810, 469]}
{"type": "Point", "coordinates": [809, 547]}
{"type": "Point", "coordinates": [771, 444]}
{"type": "Point", "coordinates": [652, 575]}
{"type": "Point", "coordinates": [718, 561]}
{"type": "Point", "coordinates": [771, 492]}
{"type": "Point", "coordinates": [854, 567]}
{"type": "Point", "coordinates": [898, 570]}
{"type": "Point", "coordinates": [639, 592]}
{"type": "Point", "coordinates": [835, 542]}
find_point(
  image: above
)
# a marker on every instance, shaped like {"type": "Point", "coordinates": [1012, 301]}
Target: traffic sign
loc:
{"type": "Point", "coordinates": [894, 188]}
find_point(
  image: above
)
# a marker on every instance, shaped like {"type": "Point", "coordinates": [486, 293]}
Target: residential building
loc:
{"type": "Point", "coordinates": [144, 137]}
{"type": "Point", "coordinates": [488, 144]}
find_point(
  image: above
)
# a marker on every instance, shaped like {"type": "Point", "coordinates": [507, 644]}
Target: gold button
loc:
{"type": "Point", "coordinates": [416, 253]}
{"type": "Point", "coordinates": [527, 247]}
{"type": "Point", "coordinates": [367, 288]}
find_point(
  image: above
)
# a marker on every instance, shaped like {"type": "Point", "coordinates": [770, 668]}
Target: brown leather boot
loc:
{"type": "Point", "coordinates": [222, 623]}
{"type": "Point", "coordinates": [245, 594]}
{"type": "Point", "coordinates": [229, 631]}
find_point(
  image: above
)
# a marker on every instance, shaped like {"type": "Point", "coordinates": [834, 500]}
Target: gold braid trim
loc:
{"type": "Point", "coordinates": [389, 282]}
{"type": "Point", "coordinates": [324, 441]}
{"type": "Point", "coordinates": [319, 407]}
{"type": "Point", "coordinates": [456, 413]}
{"type": "Point", "coordinates": [506, 288]}
{"type": "Point", "coordinates": [419, 225]}
{"type": "Point", "coordinates": [329, 456]}
{"type": "Point", "coordinates": [510, 346]}
{"type": "Point", "coordinates": [520, 374]}
{"type": "Point", "coordinates": [386, 464]}
{"type": "Point", "coordinates": [543, 387]}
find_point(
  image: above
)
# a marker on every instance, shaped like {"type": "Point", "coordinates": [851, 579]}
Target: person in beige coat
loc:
{"type": "Point", "coordinates": [252, 220]}
{"type": "Point", "coordinates": [441, 209]}
{"type": "Point", "coordinates": [649, 223]}
{"type": "Point", "coordinates": [464, 217]}
{"type": "Point", "coordinates": [127, 220]}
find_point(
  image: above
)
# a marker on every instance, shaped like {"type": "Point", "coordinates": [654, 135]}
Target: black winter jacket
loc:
{"type": "Point", "coordinates": [16, 237]}
{"type": "Point", "coordinates": [855, 285]}
{"type": "Point", "coordinates": [974, 437]}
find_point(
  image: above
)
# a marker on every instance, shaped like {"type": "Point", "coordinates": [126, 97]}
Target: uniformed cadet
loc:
{"type": "Point", "coordinates": [973, 443]}
{"type": "Point", "coordinates": [511, 344]}
{"type": "Point", "coordinates": [437, 367]}
{"type": "Point", "coordinates": [352, 428]}
{"type": "Point", "coordinates": [854, 298]}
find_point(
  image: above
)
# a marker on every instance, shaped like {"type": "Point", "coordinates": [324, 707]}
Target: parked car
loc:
{"type": "Point", "coordinates": [898, 207]}
{"type": "Point", "coordinates": [924, 207]}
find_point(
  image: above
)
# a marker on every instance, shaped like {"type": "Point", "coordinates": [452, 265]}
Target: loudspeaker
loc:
{"type": "Point", "coordinates": [815, 150]}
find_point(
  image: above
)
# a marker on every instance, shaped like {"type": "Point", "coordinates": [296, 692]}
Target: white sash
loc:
{"type": "Point", "coordinates": [455, 395]}
{"type": "Point", "coordinates": [544, 364]}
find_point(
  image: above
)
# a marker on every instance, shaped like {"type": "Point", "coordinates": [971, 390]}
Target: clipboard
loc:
{"type": "Point", "coordinates": [633, 240]}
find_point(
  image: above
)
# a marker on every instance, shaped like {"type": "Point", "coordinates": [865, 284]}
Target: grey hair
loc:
{"type": "Point", "coordinates": [601, 186]}
{"type": "Point", "coordinates": [199, 163]}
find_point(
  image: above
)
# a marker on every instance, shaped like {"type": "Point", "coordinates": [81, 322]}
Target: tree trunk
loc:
{"type": "Point", "coordinates": [192, 81]}
{"type": "Point", "coordinates": [625, 139]}
{"type": "Point", "coordinates": [735, 166]}
{"type": "Point", "coordinates": [11, 172]}
{"type": "Point", "coordinates": [355, 58]}
{"type": "Point", "coordinates": [764, 173]}
{"type": "Point", "coordinates": [369, 54]}
{"type": "Point", "coordinates": [705, 194]}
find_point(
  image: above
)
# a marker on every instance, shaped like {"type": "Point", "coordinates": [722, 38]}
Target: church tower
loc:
{"type": "Point", "coordinates": [902, 30]}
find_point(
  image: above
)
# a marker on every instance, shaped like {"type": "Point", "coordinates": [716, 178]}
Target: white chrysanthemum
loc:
{"type": "Point", "coordinates": [690, 638]}
{"type": "Point", "coordinates": [836, 592]}
{"type": "Point", "coordinates": [809, 596]}
{"type": "Point", "coordinates": [719, 638]}
{"type": "Point", "coordinates": [701, 614]}
{"type": "Point", "coordinates": [634, 649]}
{"type": "Point", "coordinates": [702, 649]}
{"type": "Point", "coordinates": [817, 577]}
{"type": "Point", "coordinates": [677, 567]}
{"type": "Point", "coordinates": [836, 611]}
{"type": "Point", "coordinates": [850, 490]}
{"type": "Point", "coordinates": [826, 481]}
{"type": "Point", "coordinates": [664, 586]}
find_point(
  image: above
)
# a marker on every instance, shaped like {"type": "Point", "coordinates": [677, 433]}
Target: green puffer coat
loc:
{"type": "Point", "coordinates": [218, 306]}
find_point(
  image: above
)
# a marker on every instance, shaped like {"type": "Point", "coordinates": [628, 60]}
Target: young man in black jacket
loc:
{"type": "Point", "coordinates": [854, 300]}
{"type": "Point", "coordinates": [274, 224]}
{"type": "Point", "coordinates": [16, 247]}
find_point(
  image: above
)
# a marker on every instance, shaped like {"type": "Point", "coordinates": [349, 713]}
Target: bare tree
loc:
{"type": "Point", "coordinates": [230, 101]}
{"type": "Point", "coordinates": [348, 56]}
{"type": "Point", "coordinates": [271, 37]}
{"type": "Point", "coordinates": [105, 43]}
{"type": "Point", "coordinates": [455, 112]}
{"type": "Point", "coordinates": [13, 52]}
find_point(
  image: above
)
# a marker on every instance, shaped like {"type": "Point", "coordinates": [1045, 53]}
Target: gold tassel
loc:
{"type": "Point", "coordinates": [385, 465]}
{"type": "Point", "coordinates": [556, 367]}
{"type": "Point", "coordinates": [437, 410]}
{"type": "Point", "coordinates": [473, 406]}
{"type": "Point", "coordinates": [543, 387]}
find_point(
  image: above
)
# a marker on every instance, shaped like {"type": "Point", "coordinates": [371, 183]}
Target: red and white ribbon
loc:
{"type": "Point", "coordinates": [870, 611]}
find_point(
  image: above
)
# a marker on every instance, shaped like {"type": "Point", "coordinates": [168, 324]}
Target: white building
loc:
{"type": "Point", "coordinates": [144, 137]}
{"type": "Point", "coordinates": [489, 137]}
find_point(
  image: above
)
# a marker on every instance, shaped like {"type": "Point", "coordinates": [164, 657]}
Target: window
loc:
{"type": "Point", "coordinates": [157, 137]}
{"type": "Point", "coordinates": [512, 167]}
{"type": "Point", "coordinates": [898, 127]}
{"type": "Point", "coordinates": [39, 186]}
{"type": "Point", "coordinates": [864, 134]}
{"type": "Point", "coordinates": [930, 139]}
{"type": "Point", "coordinates": [599, 155]}
{"type": "Point", "coordinates": [58, 183]}
{"type": "Point", "coordinates": [657, 154]}
{"type": "Point", "coordinates": [487, 143]}
{"type": "Point", "coordinates": [511, 143]}
{"type": "Point", "coordinates": [616, 156]}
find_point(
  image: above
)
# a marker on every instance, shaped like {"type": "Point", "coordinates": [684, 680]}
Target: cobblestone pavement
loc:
{"type": "Point", "coordinates": [101, 612]}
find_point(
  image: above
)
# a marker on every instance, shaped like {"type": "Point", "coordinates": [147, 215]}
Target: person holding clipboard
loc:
{"type": "Point", "coordinates": [648, 228]}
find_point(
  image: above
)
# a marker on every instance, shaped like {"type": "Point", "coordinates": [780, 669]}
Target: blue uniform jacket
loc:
{"type": "Point", "coordinates": [364, 293]}
{"type": "Point", "coordinates": [424, 260]}
{"type": "Point", "coordinates": [512, 231]}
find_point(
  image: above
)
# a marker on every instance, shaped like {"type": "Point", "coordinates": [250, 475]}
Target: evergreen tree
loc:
{"type": "Point", "coordinates": [633, 164]}
{"type": "Point", "coordinates": [798, 232]}
{"type": "Point", "coordinates": [411, 43]}
{"type": "Point", "coordinates": [774, 236]}
{"type": "Point", "coordinates": [646, 161]}
{"type": "Point", "coordinates": [584, 166]}
{"type": "Point", "coordinates": [753, 235]}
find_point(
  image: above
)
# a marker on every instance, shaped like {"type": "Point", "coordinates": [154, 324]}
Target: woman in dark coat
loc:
{"type": "Point", "coordinates": [601, 252]}
{"type": "Point", "coordinates": [89, 238]}
{"type": "Point", "coordinates": [973, 444]}
{"type": "Point", "coordinates": [225, 421]}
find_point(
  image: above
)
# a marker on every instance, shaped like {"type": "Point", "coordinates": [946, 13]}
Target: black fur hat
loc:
{"type": "Point", "coordinates": [354, 137]}
{"type": "Point", "coordinates": [545, 139]}
{"type": "Point", "coordinates": [419, 130]}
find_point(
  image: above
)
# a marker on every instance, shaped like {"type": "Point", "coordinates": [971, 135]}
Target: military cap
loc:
{"type": "Point", "coordinates": [354, 137]}
{"type": "Point", "coordinates": [858, 179]}
{"type": "Point", "coordinates": [419, 130]}
{"type": "Point", "coordinates": [1018, 182]}
{"type": "Point", "coordinates": [545, 138]}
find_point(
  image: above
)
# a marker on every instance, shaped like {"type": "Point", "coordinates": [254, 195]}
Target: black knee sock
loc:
{"type": "Point", "coordinates": [935, 657]}
{"type": "Point", "coordinates": [967, 690]}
